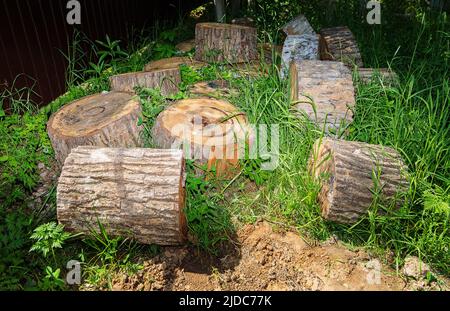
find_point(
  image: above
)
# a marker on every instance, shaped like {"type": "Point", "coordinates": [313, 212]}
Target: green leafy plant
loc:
{"type": "Point", "coordinates": [52, 280]}
{"type": "Point", "coordinates": [208, 220]}
{"type": "Point", "coordinates": [48, 237]}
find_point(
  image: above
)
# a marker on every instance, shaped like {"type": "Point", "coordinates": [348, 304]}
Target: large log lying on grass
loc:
{"type": "Point", "coordinates": [339, 44]}
{"type": "Point", "coordinates": [211, 132]}
{"type": "Point", "coordinates": [352, 174]}
{"type": "Point", "coordinates": [173, 63]}
{"type": "Point", "coordinates": [216, 42]}
{"type": "Point", "coordinates": [136, 193]}
{"type": "Point", "coordinates": [105, 120]}
{"type": "Point", "coordinates": [167, 80]}
{"type": "Point", "coordinates": [325, 92]}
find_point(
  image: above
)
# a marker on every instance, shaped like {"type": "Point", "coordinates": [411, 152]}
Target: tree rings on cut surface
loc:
{"type": "Point", "coordinates": [210, 131]}
{"type": "Point", "coordinates": [107, 120]}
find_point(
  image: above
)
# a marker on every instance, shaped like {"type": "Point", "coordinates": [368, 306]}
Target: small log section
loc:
{"type": "Point", "coordinates": [210, 131]}
{"type": "Point", "coordinates": [167, 80]}
{"type": "Point", "coordinates": [105, 120]}
{"type": "Point", "coordinates": [299, 25]}
{"type": "Point", "coordinates": [213, 89]}
{"type": "Point", "coordinates": [185, 46]}
{"type": "Point", "coordinates": [269, 52]}
{"type": "Point", "coordinates": [216, 42]}
{"type": "Point", "coordinates": [173, 63]}
{"type": "Point", "coordinates": [298, 47]}
{"type": "Point", "coordinates": [325, 92]}
{"type": "Point", "coordinates": [339, 44]}
{"type": "Point", "coordinates": [136, 193]}
{"type": "Point", "coordinates": [351, 173]}
{"type": "Point", "coordinates": [366, 75]}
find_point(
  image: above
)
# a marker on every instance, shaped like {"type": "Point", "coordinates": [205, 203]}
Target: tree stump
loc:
{"type": "Point", "coordinates": [210, 131]}
{"type": "Point", "coordinates": [185, 46]}
{"type": "Point", "coordinates": [339, 44]}
{"type": "Point", "coordinates": [352, 174]}
{"type": "Point", "coordinates": [105, 120]}
{"type": "Point", "coordinates": [167, 80]}
{"type": "Point", "coordinates": [366, 75]}
{"type": "Point", "coordinates": [213, 89]}
{"type": "Point", "coordinates": [136, 193]}
{"type": "Point", "coordinates": [296, 48]}
{"type": "Point", "coordinates": [298, 26]}
{"type": "Point", "coordinates": [216, 42]}
{"type": "Point", "coordinates": [325, 92]}
{"type": "Point", "coordinates": [173, 63]}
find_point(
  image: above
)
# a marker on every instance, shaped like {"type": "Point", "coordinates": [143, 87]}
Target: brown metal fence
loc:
{"type": "Point", "coordinates": [34, 32]}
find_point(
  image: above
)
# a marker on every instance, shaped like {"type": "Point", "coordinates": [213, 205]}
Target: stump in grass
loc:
{"type": "Point", "coordinates": [185, 46]}
{"type": "Point", "coordinates": [167, 80]}
{"type": "Point", "coordinates": [296, 48]}
{"type": "Point", "coordinates": [136, 193]}
{"type": "Point", "coordinates": [325, 92]}
{"type": "Point", "coordinates": [214, 89]}
{"type": "Point", "coordinates": [352, 174]}
{"type": "Point", "coordinates": [173, 63]}
{"type": "Point", "coordinates": [298, 26]}
{"type": "Point", "coordinates": [366, 75]}
{"type": "Point", "coordinates": [339, 44]}
{"type": "Point", "coordinates": [106, 120]}
{"type": "Point", "coordinates": [210, 131]}
{"type": "Point", "coordinates": [268, 52]}
{"type": "Point", "coordinates": [216, 42]}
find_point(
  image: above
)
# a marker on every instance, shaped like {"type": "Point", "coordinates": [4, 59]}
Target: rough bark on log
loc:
{"type": "Point", "coordinates": [185, 46]}
{"type": "Point", "coordinates": [136, 193]}
{"type": "Point", "coordinates": [215, 42]}
{"type": "Point", "coordinates": [210, 131]}
{"type": "Point", "coordinates": [106, 120]}
{"type": "Point", "coordinates": [298, 26]}
{"type": "Point", "coordinates": [366, 75]}
{"type": "Point", "coordinates": [167, 80]}
{"type": "Point", "coordinates": [339, 44]}
{"type": "Point", "coordinates": [325, 92]}
{"type": "Point", "coordinates": [352, 174]}
{"type": "Point", "coordinates": [296, 48]}
{"type": "Point", "coordinates": [173, 63]}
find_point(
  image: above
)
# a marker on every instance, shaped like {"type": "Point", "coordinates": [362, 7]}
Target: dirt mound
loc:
{"type": "Point", "coordinates": [264, 260]}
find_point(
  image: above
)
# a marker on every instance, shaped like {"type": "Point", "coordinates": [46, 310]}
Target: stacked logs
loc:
{"type": "Point", "coordinates": [108, 178]}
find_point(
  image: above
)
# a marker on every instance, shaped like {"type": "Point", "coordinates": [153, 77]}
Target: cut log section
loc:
{"type": "Point", "coordinates": [325, 92]}
{"type": "Point", "coordinates": [216, 42]}
{"type": "Point", "coordinates": [173, 63]}
{"type": "Point", "coordinates": [339, 44]}
{"type": "Point", "coordinates": [210, 131]}
{"type": "Point", "coordinates": [185, 46]}
{"type": "Point", "coordinates": [352, 174]}
{"type": "Point", "coordinates": [298, 26]}
{"type": "Point", "coordinates": [136, 193]}
{"type": "Point", "coordinates": [269, 52]}
{"type": "Point", "coordinates": [167, 80]}
{"type": "Point", "coordinates": [105, 120]}
{"type": "Point", "coordinates": [214, 89]}
{"type": "Point", "coordinates": [296, 48]}
{"type": "Point", "coordinates": [366, 75]}
{"type": "Point", "coordinates": [244, 21]}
